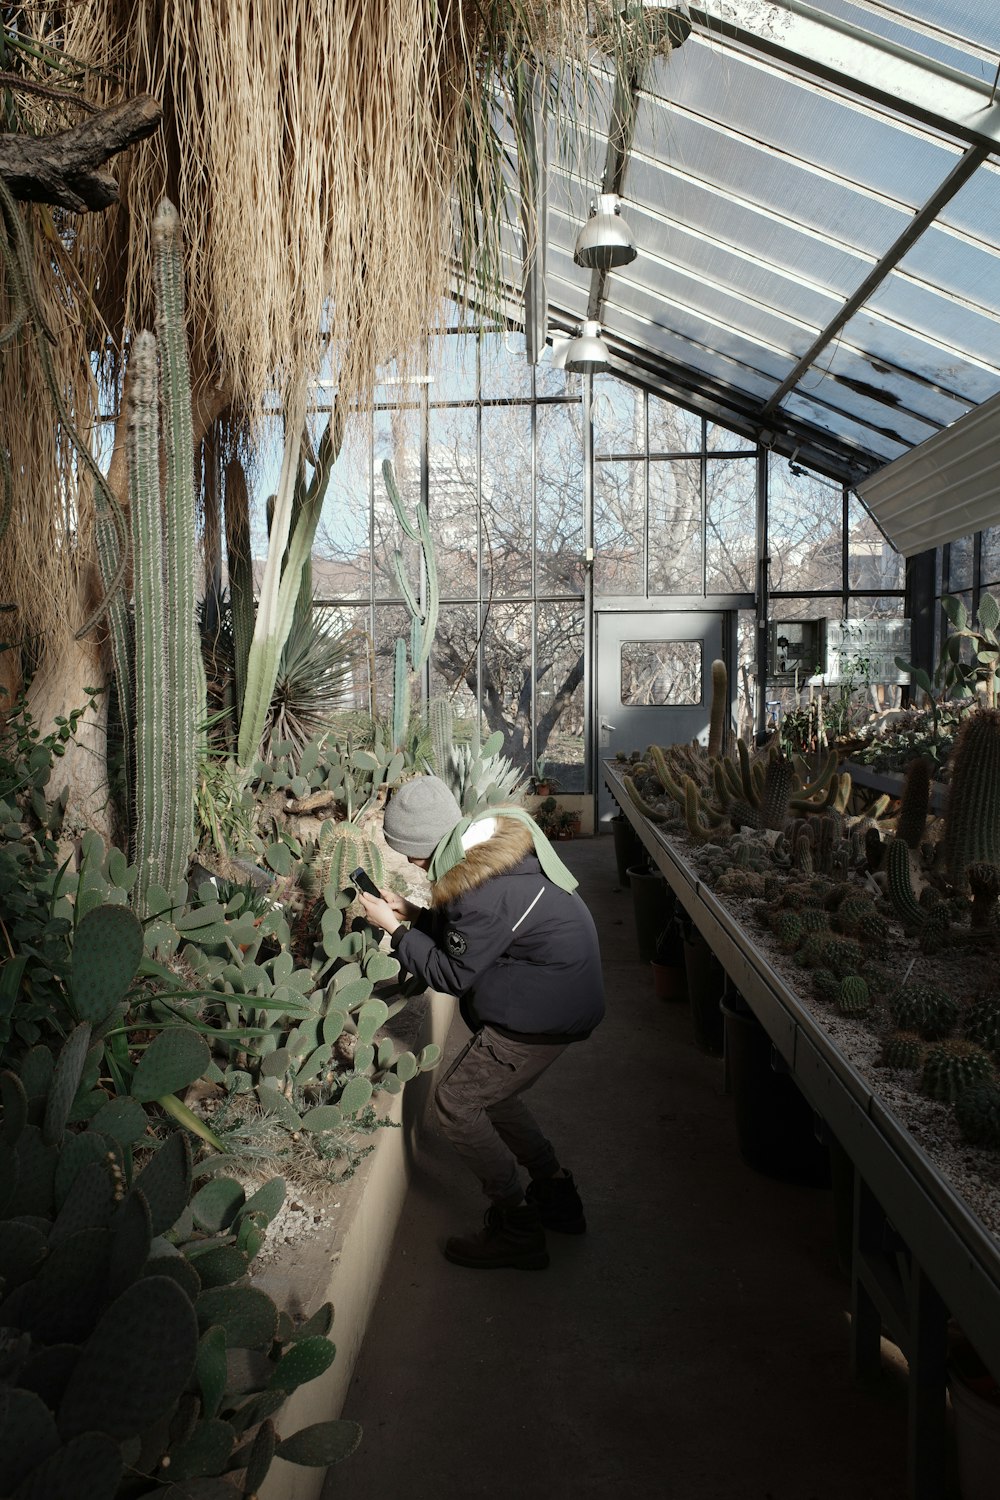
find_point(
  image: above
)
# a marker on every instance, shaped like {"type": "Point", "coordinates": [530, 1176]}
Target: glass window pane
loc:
{"type": "Point", "coordinates": [672, 429]}
{"type": "Point", "coordinates": [876, 607]}
{"type": "Point", "coordinates": [872, 562]}
{"type": "Point", "coordinates": [505, 370]}
{"type": "Point", "coordinates": [559, 702]}
{"type": "Point", "coordinates": [340, 549]}
{"type": "Point", "coordinates": [559, 538]}
{"type": "Point", "coordinates": [397, 438]}
{"type": "Point", "coordinates": [989, 566]}
{"type": "Point", "coordinates": [452, 367]}
{"type": "Point", "coordinates": [805, 528]}
{"type": "Point", "coordinates": [353, 620]}
{"type": "Point", "coordinates": [675, 532]}
{"type": "Point", "coordinates": [619, 513]}
{"type": "Point", "coordinates": [721, 440]}
{"type": "Point", "coordinates": [507, 501]}
{"type": "Point", "coordinates": [960, 558]}
{"type": "Point", "coordinates": [453, 499]}
{"type": "Point", "coordinates": [661, 672]}
{"type": "Point", "coordinates": [731, 526]}
{"type": "Point", "coordinates": [453, 663]}
{"type": "Point", "coordinates": [391, 620]}
{"type": "Point", "coordinates": [506, 688]}
{"type": "Point", "coordinates": [617, 413]}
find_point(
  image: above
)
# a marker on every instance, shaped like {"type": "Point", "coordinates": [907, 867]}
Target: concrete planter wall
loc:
{"type": "Point", "coordinates": [344, 1261]}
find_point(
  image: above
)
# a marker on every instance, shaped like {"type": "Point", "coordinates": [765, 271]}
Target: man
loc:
{"type": "Point", "coordinates": [507, 934]}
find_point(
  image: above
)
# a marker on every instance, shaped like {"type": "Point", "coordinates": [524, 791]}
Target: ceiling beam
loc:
{"type": "Point", "coordinates": [956, 179]}
{"type": "Point", "coordinates": [915, 86]}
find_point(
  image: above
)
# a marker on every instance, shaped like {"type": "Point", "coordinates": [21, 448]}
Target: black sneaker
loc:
{"type": "Point", "coordinates": [558, 1203]}
{"type": "Point", "coordinates": [510, 1237]}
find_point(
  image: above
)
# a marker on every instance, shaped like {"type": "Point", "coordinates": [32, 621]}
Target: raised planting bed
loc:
{"type": "Point", "coordinates": [927, 1205]}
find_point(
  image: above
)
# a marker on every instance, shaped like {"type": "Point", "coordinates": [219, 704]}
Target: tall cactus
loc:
{"type": "Point", "coordinates": [720, 706]}
{"type": "Point", "coordinates": [185, 680]}
{"type": "Point", "coordinates": [240, 562]}
{"type": "Point", "coordinates": [972, 819]}
{"type": "Point", "coordinates": [150, 649]}
{"type": "Point", "coordinates": [170, 680]}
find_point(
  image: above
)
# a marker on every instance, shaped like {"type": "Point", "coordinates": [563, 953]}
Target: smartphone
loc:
{"type": "Point", "coordinates": [364, 882]}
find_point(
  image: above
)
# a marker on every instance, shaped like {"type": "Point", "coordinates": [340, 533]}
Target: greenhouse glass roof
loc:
{"type": "Point", "coordinates": [814, 190]}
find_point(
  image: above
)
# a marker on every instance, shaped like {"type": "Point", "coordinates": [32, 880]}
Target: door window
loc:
{"type": "Point", "coordinates": [661, 673]}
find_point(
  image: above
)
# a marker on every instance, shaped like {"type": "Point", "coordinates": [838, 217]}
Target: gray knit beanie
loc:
{"type": "Point", "coordinates": [419, 816]}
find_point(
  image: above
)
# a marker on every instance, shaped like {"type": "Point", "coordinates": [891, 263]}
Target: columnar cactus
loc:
{"type": "Point", "coordinates": [914, 803]}
{"type": "Point", "coordinates": [952, 1067]}
{"type": "Point", "coordinates": [972, 819]}
{"type": "Point", "coordinates": [984, 883]}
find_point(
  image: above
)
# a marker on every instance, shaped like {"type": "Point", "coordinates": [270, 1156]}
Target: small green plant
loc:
{"type": "Point", "coordinates": [930, 1012]}
{"type": "Point", "coordinates": [952, 1067]}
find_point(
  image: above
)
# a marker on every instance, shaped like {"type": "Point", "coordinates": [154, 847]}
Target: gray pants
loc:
{"type": "Point", "coordinates": [480, 1111]}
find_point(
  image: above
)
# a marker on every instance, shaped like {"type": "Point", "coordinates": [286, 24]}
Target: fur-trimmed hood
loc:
{"type": "Point", "coordinates": [503, 851]}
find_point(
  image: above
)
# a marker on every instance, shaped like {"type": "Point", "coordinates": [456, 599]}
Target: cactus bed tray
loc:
{"type": "Point", "coordinates": [919, 1253]}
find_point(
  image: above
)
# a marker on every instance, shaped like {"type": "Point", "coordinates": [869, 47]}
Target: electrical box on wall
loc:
{"type": "Point", "coordinates": [796, 651]}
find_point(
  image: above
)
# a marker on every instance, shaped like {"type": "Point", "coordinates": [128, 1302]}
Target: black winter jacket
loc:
{"type": "Point", "coordinates": [520, 953]}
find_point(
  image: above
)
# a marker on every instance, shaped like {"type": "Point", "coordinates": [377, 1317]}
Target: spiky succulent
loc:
{"type": "Point", "coordinates": [826, 985]}
{"type": "Point", "coordinates": [841, 956]}
{"type": "Point", "coordinates": [788, 930]}
{"type": "Point", "coordinates": [814, 919]}
{"type": "Point", "coordinates": [903, 1049]}
{"type": "Point", "coordinates": [859, 918]}
{"type": "Point", "coordinates": [922, 1008]}
{"type": "Point", "coordinates": [952, 1067]}
{"type": "Point", "coordinates": [981, 1023]}
{"type": "Point", "coordinates": [853, 998]}
{"type": "Point", "coordinates": [977, 1111]}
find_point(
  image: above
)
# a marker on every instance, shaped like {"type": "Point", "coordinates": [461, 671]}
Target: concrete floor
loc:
{"type": "Point", "coordinates": [693, 1345]}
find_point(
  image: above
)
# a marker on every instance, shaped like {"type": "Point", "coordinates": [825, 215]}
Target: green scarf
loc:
{"type": "Point", "coordinates": [449, 851]}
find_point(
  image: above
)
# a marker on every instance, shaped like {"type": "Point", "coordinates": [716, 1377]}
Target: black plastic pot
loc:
{"type": "Point", "coordinates": [774, 1123]}
{"type": "Point", "coordinates": [652, 902]}
{"type": "Point", "coordinates": [628, 846]}
{"type": "Point", "coordinates": [706, 982]}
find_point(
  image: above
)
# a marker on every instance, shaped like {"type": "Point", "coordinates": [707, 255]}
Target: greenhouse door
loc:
{"type": "Point", "coordinates": [654, 682]}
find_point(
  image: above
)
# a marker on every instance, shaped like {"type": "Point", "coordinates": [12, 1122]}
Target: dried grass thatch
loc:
{"type": "Point", "coordinates": [332, 161]}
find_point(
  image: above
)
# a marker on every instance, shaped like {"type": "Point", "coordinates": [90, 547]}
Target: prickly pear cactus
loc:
{"type": "Point", "coordinates": [952, 1067]}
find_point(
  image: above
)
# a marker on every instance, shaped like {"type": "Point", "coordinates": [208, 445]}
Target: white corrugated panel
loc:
{"type": "Point", "coordinates": [947, 487]}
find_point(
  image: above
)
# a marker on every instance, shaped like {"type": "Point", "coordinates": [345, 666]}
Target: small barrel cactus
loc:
{"type": "Point", "coordinates": [977, 1111]}
{"type": "Point", "coordinates": [981, 1023]}
{"type": "Point", "coordinates": [814, 919]}
{"type": "Point", "coordinates": [952, 1067]}
{"type": "Point", "coordinates": [788, 930]}
{"type": "Point", "coordinates": [826, 985]}
{"type": "Point", "coordinates": [823, 951]}
{"type": "Point", "coordinates": [853, 998]}
{"type": "Point", "coordinates": [921, 1008]}
{"type": "Point", "coordinates": [904, 1049]}
{"type": "Point", "coordinates": [860, 918]}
